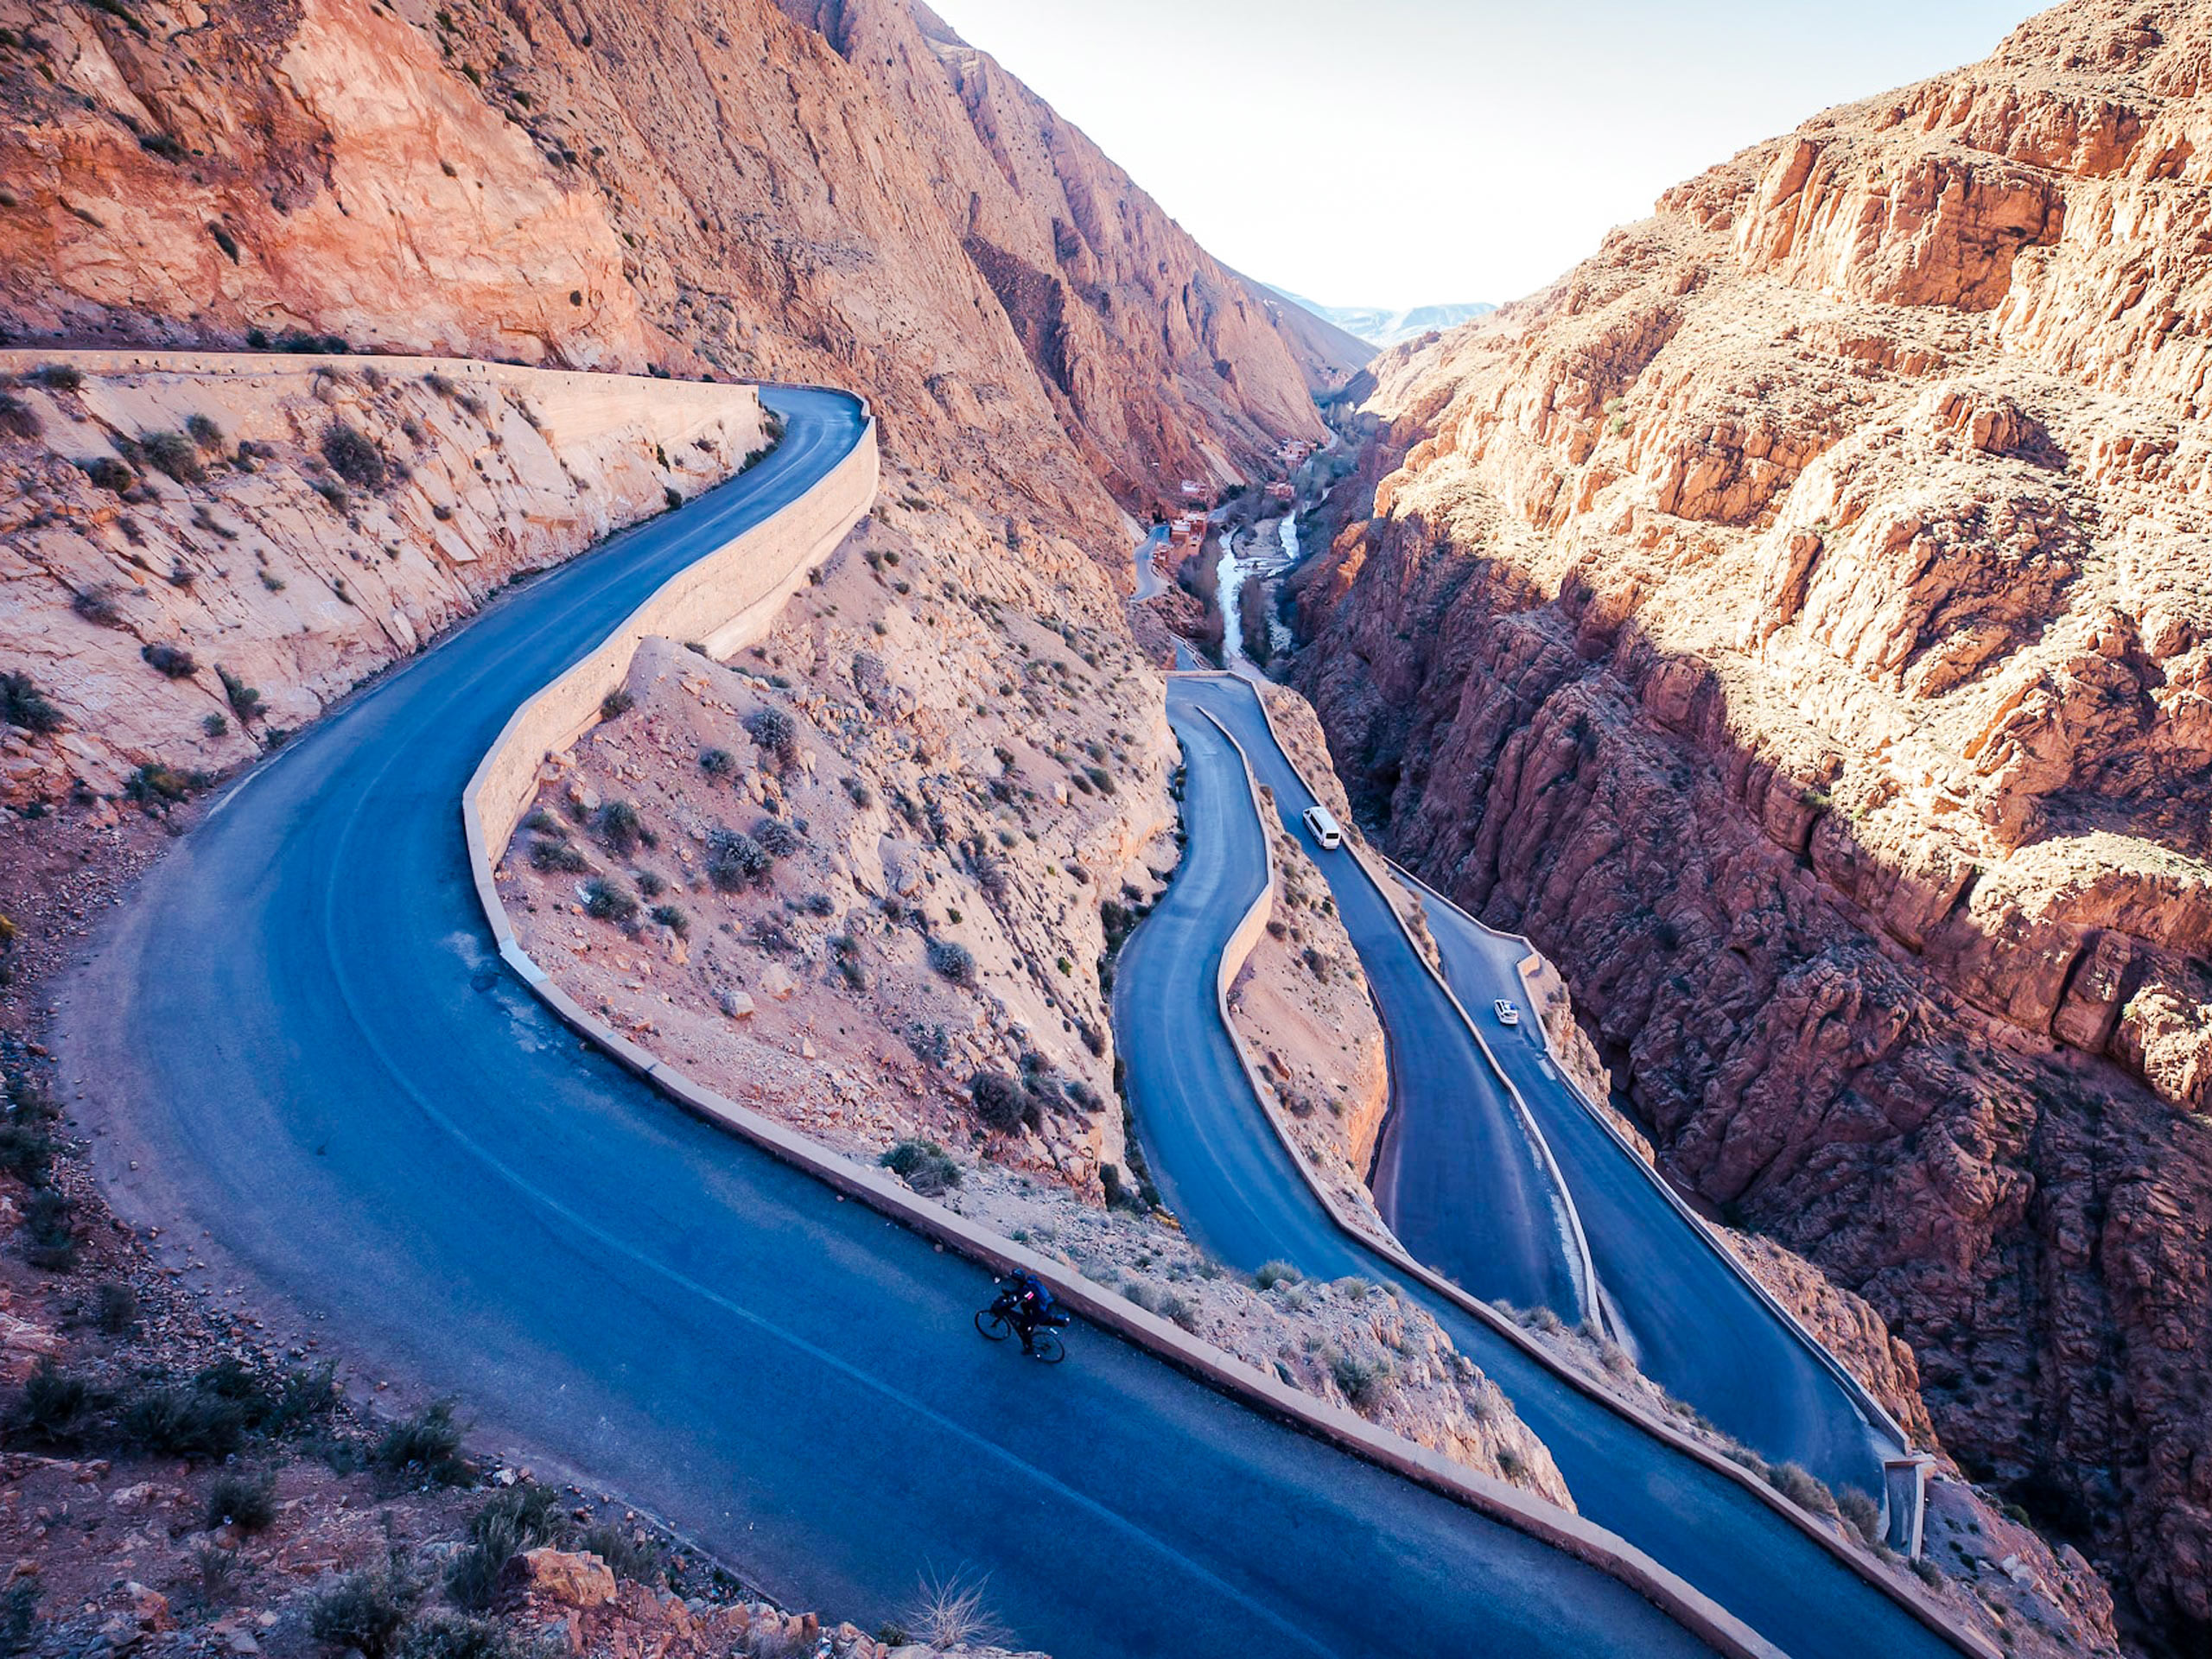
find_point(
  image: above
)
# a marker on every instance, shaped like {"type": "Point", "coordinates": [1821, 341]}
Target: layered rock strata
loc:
{"type": "Point", "coordinates": [1798, 620]}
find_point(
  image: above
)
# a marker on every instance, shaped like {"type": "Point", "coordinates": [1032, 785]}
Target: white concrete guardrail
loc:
{"type": "Point", "coordinates": [1532, 962]}
{"type": "Point", "coordinates": [1586, 1271]}
{"type": "Point", "coordinates": [730, 596]}
{"type": "Point", "coordinates": [1932, 1616]}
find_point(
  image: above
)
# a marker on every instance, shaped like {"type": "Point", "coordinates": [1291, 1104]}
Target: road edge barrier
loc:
{"type": "Point", "coordinates": [1593, 1290]}
{"type": "Point", "coordinates": [582, 685]}
{"type": "Point", "coordinates": [1933, 1617]}
{"type": "Point", "coordinates": [1861, 1394]}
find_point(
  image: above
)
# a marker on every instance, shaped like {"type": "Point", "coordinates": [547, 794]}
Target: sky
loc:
{"type": "Point", "coordinates": [1397, 152]}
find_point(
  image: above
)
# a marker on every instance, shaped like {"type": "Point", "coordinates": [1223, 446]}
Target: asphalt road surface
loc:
{"type": "Point", "coordinates": [1457, 1175]}
{"type": "Point", "coordinates": [1150, 583]}
{"type": "Point", "coordinates": [1695, 1326]}
{"type": "Point", "coordinates": [1229, 1179]}
{"type": "Point", "coordinates": [298, 1033]}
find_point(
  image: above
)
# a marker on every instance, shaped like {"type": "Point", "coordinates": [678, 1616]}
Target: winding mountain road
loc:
{"type": "Point", "coordinates": [302, 1061]}
{"type": "Point", "coordinates": [1236, 1190]}
{"type": "Point", "coordinates": [1460, 1178]}
{"type": "Point", "coordinates": [1696, 1326]}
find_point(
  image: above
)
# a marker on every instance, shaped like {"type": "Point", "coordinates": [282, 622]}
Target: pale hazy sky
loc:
{"type": "Point", "coordinates": [1396, 152]}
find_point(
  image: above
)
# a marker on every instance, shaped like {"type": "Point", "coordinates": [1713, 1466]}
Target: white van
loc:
{"type": "Point", "coordinates": [1325, 829]}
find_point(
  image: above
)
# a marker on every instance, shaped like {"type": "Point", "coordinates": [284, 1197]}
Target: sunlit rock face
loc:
{"type": "Point", "coordinates": [858, 198]}
{"type": "Point", "coordinates": [1798, 618]}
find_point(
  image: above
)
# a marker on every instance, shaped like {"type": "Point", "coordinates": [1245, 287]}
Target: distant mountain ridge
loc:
{"type": "Point", "coordinates": [1382, 327]}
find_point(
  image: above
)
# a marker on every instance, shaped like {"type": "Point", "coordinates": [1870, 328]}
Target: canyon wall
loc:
{"type": "Point", "coordinates": [1798, 620]}
{"type": "Point", "coordinates": [844, 193]}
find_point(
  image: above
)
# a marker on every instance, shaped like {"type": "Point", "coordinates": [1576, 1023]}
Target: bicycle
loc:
{"type": "Point", "coordinates": [997, 1325]}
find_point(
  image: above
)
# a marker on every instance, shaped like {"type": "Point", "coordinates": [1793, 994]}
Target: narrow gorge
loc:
{"type": "Point", "coordinates": [1795, 619]}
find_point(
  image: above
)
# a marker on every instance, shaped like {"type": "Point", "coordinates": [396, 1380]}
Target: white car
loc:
{"type": "Point", "coordinates": [1327, 831]}
{"type": "Point", "coordinates": [1507, 1013]}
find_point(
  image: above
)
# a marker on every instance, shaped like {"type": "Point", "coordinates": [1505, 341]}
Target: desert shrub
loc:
{"type": "Point", "coordinates": [61, 377]}
{"type": "Point", "coordinates": [670, 917]}
{"type": "Point", "coordinates": [1101, 779]}
{"type": "Point", "coordinates": [776, 838]}
{"type": "Point", "coordinates": [845, 951]}
{"type": "Point", "coordinates": [858, 791]}
{"type": "Point", "coordinates": [154, 787]}
{"type": "Point", "coordinates": [22, 705]}
{"type": "Point", "coordinates": [650, 883]}
{"type": "Point", "coordinates": [953, 960]}
{"type": "Point", "coordinates": [623, 1553]}
{"type": "Point", "coordinates": [174, 454]}
{"type": "Point", "coordinates": [363, 1610]}
{"type": "Point", "coordinates": [429, 1443]}
{"type": "Point", "coordinates": [546, 853]}
{"type": "Point", "coordinates": [25, 1151]}
{"type": "Point", "coordinates": [1800, 1486]}
{"type": "Point", "coordinates": [301, 1398]}
{"type": "Point", "coordinates": [1360, 1377]}
{"type": "Point", "coordinates": [523, 1517]}
{"type": "Point", "coordinates": [1175, 1308]}
{"type": "Point", "coordinates": [115, 1308]}
{"type": "Point", "coordinates": [735, 860]}
{"type": "Point", "coordinates": [54, 1407]}
{"type": "Point", "coordinates": [195, 1424]}
{"type": "Point", "coordinates": [216, 724]}
{"type": "Point", "coordinates": [717, 763]}
{"type": "Point", "coordinates": [1272, 1273]}
{"type": "Point", "coordinates": [173, 662]}
{"type": "Point", "coordinates": [618, 825]}
{"type": "Point", "coordinates": [439, 384]}
{"type": "Point", "coordinates": [247, 1501]}
{"type": "Point", "coordinates": [19, 1618]}
{"type": "Point", "coordinates": [1860, 1512]}
{"type": "Point", "coordinates": [775, 732]}
{"type": "Point", "coordinates": [203, 432]}
{"type": "Point", "coordinates": [1001, 1101]}
{"type": "Point", "coordinates": [923, 1165]}
{"type": "Point", "coordinates": [50, 1230]}
{"type": "Point", "coordinates": [459, 1636]}
{"type": "Point", "coordinates": [354, 456]}
{"type": "Point", "coordinates": [671, 498]}
{"type": "Point", "coordinates": [17, 418]}
{"type": "Point", "coordinates": [949, 1613]}
{"type": "Point", "coordinates": [246, 702]}
{"type": "Point", "coordinates": [821, 904]}
{"type": "Point", "coordinates": [108, 473]}
{"type": "Point", "coordinates": [608, 900]}
{"type": "Point", "coordinates": [96, 604]}
{"type": "Point", "coordinates": [616, 704]}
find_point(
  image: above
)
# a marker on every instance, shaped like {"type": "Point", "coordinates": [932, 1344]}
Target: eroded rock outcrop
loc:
{"type": "Point", "coordinates": [1796, 620]}
{"type": "Point", "coordinates": [847, 193]}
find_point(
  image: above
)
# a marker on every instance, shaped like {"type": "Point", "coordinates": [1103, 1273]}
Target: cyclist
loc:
{"type": "Point", "coordinates": [1027, 1304]}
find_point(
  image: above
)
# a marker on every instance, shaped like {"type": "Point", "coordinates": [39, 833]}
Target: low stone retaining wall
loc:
{"type": "Point", "coordinates": [737, 588]}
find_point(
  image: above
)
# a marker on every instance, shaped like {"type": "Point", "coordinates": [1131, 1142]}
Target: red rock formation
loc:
{"type": "Point", "coordinates": [1798, 620]}
{"type": "Point", "coordinates": [857, 197]}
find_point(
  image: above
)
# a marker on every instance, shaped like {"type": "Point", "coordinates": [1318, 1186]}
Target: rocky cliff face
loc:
{"type": "Point", "coordinates": [1798, 620]}
{"type": "Point", "coordinates": [844, 192]}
